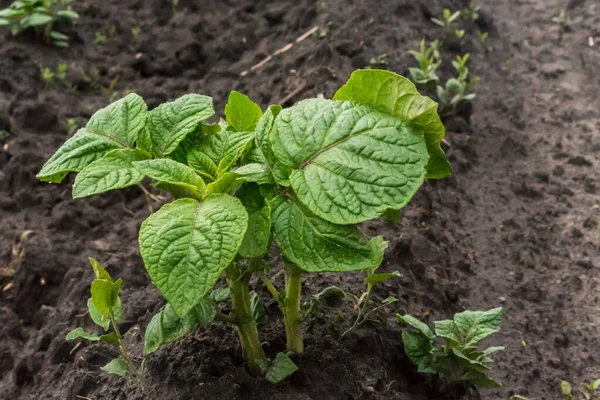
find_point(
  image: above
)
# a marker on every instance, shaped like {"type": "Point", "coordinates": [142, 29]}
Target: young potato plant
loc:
{"type": "Point", "coordinates": [453, 34]}
{"type": "Point", "coordinates": [104, 307]}
{"type": "Point", "coordinates": [456, 89]}
{"type": "Point", "coordinates": [41, 15]}
{"type": "Point", "coordinates": [301, 177]}
{"type": "Point", "coordinates": [458, 359]}
{"type": "Point", "coordinates": [429, 61]}
{"type": "Point", "coordinates": [588, 391]}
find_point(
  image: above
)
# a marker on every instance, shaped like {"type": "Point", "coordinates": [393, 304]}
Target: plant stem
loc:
{"type": "Point", "coordinates": [291, 309]}
{"type": "Point", "coordinates": [360, 310]}
{"type": "Point", "coordinates": [274, 292]}
{"type": "Point", "coordinates": [245, 323]}
{"type": "Point", "coordinates": [123, 353]}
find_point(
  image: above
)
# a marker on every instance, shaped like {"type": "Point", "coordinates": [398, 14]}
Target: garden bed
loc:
{"type": "Point", "coordinates": [514, 226]}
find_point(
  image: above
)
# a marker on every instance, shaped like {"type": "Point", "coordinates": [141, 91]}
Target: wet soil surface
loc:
{"type": "Point", "coordinates": [515, 225]}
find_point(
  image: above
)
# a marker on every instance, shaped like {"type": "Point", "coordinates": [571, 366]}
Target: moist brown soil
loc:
{"type": "Point", "coordinates": [515, 225]}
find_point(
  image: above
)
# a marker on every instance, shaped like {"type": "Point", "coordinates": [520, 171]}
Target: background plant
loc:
{"type": "Point", "coordinates": [458, 359]}
{"type": "Point", "coordinates": [41, 15]}
{"type": "Point", "coordinates": [456, 90]}
{"type": "Point", "coordinates": [255, 178]}
{"type": "Point", "coordinates": [104, 307]}
{"type": "Point", "coordinates": [588, 391]}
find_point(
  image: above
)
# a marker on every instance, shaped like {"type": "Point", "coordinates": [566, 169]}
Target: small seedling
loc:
{"type": "Point", "coordinates": [562, 20]}
{"type": "Point", "coordinates": [104, 307]}
{"type": "Point", "coordinates": [41, 15]}
{"type": "Point", "coordinates": [588, 391]}
{"type": "Point", "coordinates": [255, 179]}
{"type": "Point", "coordinates": [59, 76]}
{"type": "Point", "coordinates": [471, 13]}
{"type": "Point", "coordinates": [483, 38]}
{"type": "Point", "coordinates": [381, 62]}
{"type": "Point", "coordinates": [71, 126]}
{"type": "Point", "coordinates": [136, 31]}
{"type": "Point", "coordinates": [448, 22]}
{"type": "Point", "coordinates": [458, 359]}
{"type": "Point", "coordinates": [429, 61]}
{"type": "Point", "coordinates": [100, 38]}
{"type": "Point", "coordinates": [456, 89]}
{"type": "Point", "coordinates": [362, 302]}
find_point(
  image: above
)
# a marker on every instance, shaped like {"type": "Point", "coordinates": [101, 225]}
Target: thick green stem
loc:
{"type": "Point", "coordinates": [292, 315]}
{"type": "Point", "coordinates": [245, 324]}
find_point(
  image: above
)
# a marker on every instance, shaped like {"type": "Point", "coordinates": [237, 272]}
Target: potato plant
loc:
{"type": "Point", "coordinates": [301, 177]}
{"type": "Point", "coordinates": [41, 15]}
{"type": "Point", "coordinates": [458, 360]}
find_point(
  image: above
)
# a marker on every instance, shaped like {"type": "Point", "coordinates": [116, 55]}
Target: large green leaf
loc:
{"type": "Point", "coordinates": [173, 173]}
{"type": "Point", "coordinates": [469, 327]}
{"type": "Point", "coordinates": [169, 123]}
{"type": "Point", "coordinates": [187, 245]}
{"type": "Point", "coordinates": [241, 113]}
{"type": "Point", "coordinates": [349, 162]}
{"type": "Point", "coordinates": [396, 95]}
{"type": "Point", "coordinates": [166, 326]}
{"type": "Point", "coordinates": [415, 323]}
{"type": "Point", "coordinates": [113, 171]}
{"type": "Point", "coordinates": [114, 127]}
{"type": "Point", "coordinates": [418, 349]}
{"type": "Point", "coordinates": [256, 242]}
{"type": "Point", "coordinates": [316, 245]}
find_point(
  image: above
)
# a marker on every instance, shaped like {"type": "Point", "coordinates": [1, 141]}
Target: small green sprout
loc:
{"type": "Point", "coordinates": [587, 390]}
{"type": "Point", "coordinates": [104, 307]}
{"type": "Point", "coordinates": [429, 61]}
{"type": "Point", "coordinates": [100, 38]}
{"type": "Point", "coordinates": [60, 75]}
{"type": "Point", "coordinates": [483, 38]}
{"type": "Point", "coordinates": [471, 13]}
{"type": "Point", "coordinates": [381, 62]}
{"type": "Point", "coordinates": [362, 302]}
{"type": "Point", "coordinates": [41, 15]}
{"type": "Point", "coordinates": [448, 22]}
{"type": "Point", "coordinates": [71, 126]}
{"type": "Point", "coordinates": [562, 20]}
{"type": "Point", "coordinates": [456, 89]}
{"type": "Point", "coordinates": [458, 359]}
{"type": "Point", "coordinates": [459, 33]}
{"type": "Point", "coordinates": [136, 31]}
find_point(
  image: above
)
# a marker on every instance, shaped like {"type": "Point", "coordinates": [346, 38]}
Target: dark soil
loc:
{"type": "Point", "coordinates": [515, 225]}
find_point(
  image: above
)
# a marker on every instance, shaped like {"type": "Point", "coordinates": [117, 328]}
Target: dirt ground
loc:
{"type": "Point", "coordinates": [515, 225]}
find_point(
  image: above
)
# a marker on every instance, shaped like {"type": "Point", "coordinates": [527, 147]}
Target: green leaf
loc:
{"type": "Point", "coordinates": [113, 171]}
{"type": "Point", "coordinates": [237, 144]}
{"type": "Point", "coordinates": [415, 323]}
{"type": "Point", "coordinates": [396, 95]}
{"type": "Point", "coordinates": [392, 215]}
{"type": "Point", "coordinates": [242, 113]}
{"type": "Point", "coordinates": [80, 333]}
{"type": "Point", "coordinates": [349, 162]}
{"type": "Point", "coordinates": [202, 164]}
{"type": "Point", "coordinates": [256, 242]}
{"type": "Point", "coordinates": [565, 387]}
{"type": "Point", "coordinates": [58, 36]}
{"type": "Point", "coordinates": [187, 245]}
{"type": "Point", "coordinates": [280, 368]}
{"type": "Point", "coordinates": [418, 349]}
{"type": "Point", "coordinates": [595, 385]}
{"type": "Point", "coordinates": [376, 278]}
{"type": "Point", "coordinates": [36, 19]}
{"type": "Point", "coordinates": [110, 338]}
{"type": "Point", "coordinates": [229, 181]}
{"type": "Point", "coordinates": [4, 22]}
{"type": "Point", "coordinates": [221, 294]}
{"type": "Point", "coordinates": [118, 366]}
{"type": "Point", "coordinates": [166, 326]}
{"type": "Point", "coordinates": [99, 271]}
{"type": "Point", "coordinates": [261, 151]}
{"type": "Point", "coordinates": [97, 317]}
{"type": "Point", "coordinates": [257, 308]}
{"type": "Point", "coordinates": [105, 295]}
{"type": "Point", "coordinates": [68, 14]}
{"type": "Point", "coordinates": [169, 123]}
{"type": "Point", "coordinates": [174, 173]}
{"type": "Point", "coordinates": [330, 292]}
{"type": "Point", "coordinates": [113, 127]}
{"type": "Point", "coordinates": [470, 327]}
{"type": "Point", "coordinates": [481, 380]}
{"type": "Point", "coordinates": [316, 245]}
